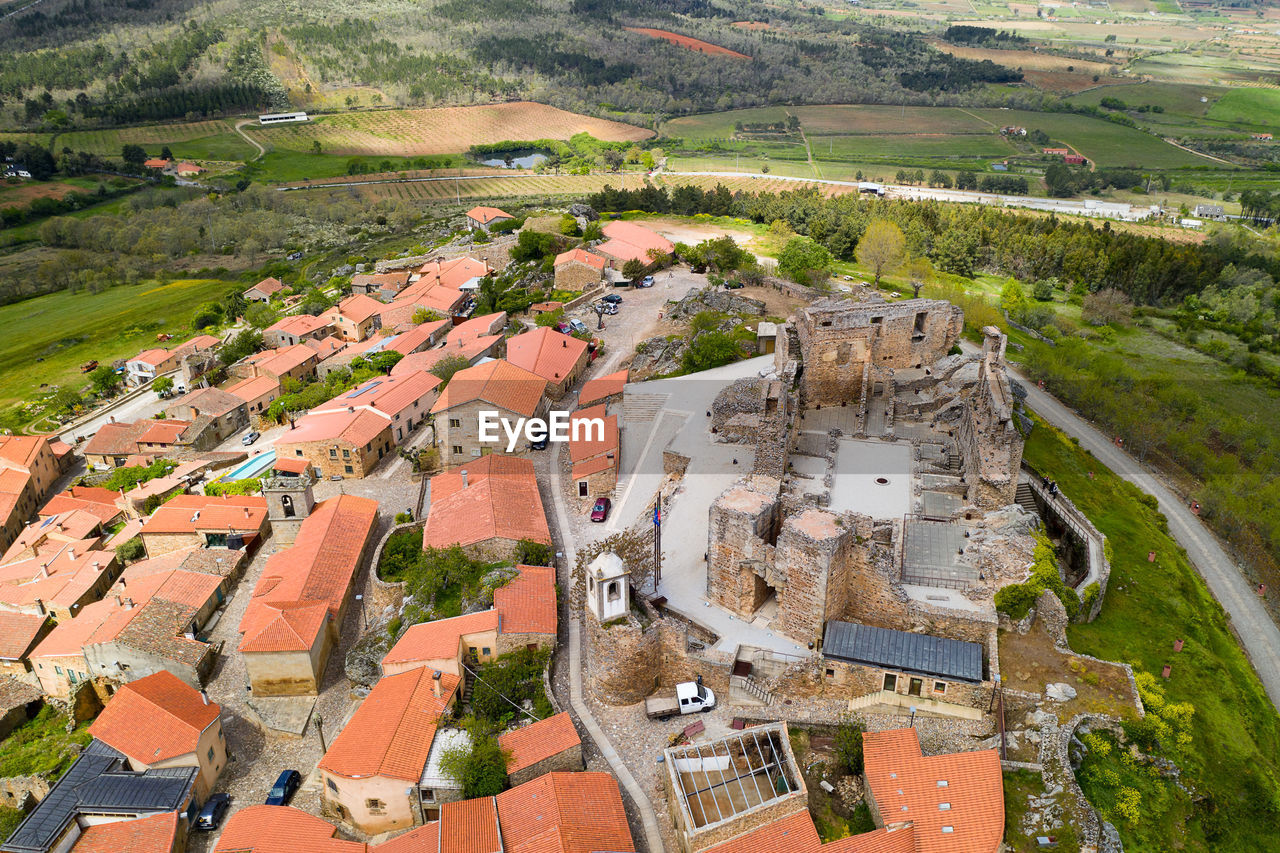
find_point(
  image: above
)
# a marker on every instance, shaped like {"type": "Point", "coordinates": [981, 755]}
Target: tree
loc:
{"type": "Point", "coordinates": [385, 360]}
{"type": "Point", "coordinates": [165, 153]}
{"type": "Point", "coordinates": [633, 269]}
{"type": "Point", "coordinates": [233, 304]}
{"type": "Point", "coordinates": [208, 314]}
{"type": "Point", "coordinates": [447, 366]}
{"type": "Point", "coordinates": [550, 319]}
{"type": "Point", "coordinates": [478, 767]}
{"type": "Point", "coordinates": [614, 159]}
{"type": "Point", "coordinates": [804, 261]}
{"type": "Point", "coordinates": [134, 155]}
{"type": "Point", "coordinates": [425, 315]}
{"type": "Point", "coordinates": [1013, 297]}
{"type": "Point", "coordinates": [882, 248]}
{"type": "Point", "coordinates": [920, 273]}
{"type": "Point", "coordinates": [848, 744]}
{"type": "Point", "coordinates": [245, 342]}
{"type": "Point", "coordinates": [708, 350]}
{"type": "Point", "coordinates": [259, 315]}
{"type": "Point", "coordinates": [1107, 307]}
{"type": "Point", "coordinates": [162, 385]}
{"type": "Point", "coordinates": [105, 380]}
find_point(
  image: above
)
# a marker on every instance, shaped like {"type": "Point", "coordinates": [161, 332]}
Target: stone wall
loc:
{"type": "Point", "coordinates": [624, 660]}
{"type": "Point", "coordinates": [20, 792]}
{"type": "Point", "coordinates": [577, 276]}
{"type": "Point", "coordinates": [743, 526]}
{"type": "Point", "coordinates": [568, 761]}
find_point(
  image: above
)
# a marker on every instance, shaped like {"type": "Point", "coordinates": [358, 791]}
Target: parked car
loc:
{"type": "Point", "coordinates": [690, 698]}
{"type": "Point", "coordinates": [606, 307]}
{"type": "Point", "coordinates": [295, 256]}
{"type": "Point", "coordinates": [563, 328]}
{"type": "Point", "coordinates": [284, 788]}
{"type": "Point", "coordinates": [600, 511]}
{"type": "Point", "coordinates": [576, 326]}
{"type": "Point", "coordinates": [215, 809]}
{"type": "Point", "coordinates": [250, 437]}
{"type": "Point", "coordinates": [615, 298]}
{"type": "Point", "coordinates": [647, 281]}
{"type": "Point", "coordinates": [539, 444]}
{"type": "Point", "coordinates": [732, 284]}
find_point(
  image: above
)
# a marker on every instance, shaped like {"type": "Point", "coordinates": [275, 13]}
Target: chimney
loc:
{"type": "Point", "coordinates": [351, 408]}
{"type": "Point", "coordinates": [204, 694]}
{"type": "Point", "coordinates": [71, 552]}
{"type": "Point", "coordinates": [435, 683]}
{"type": "Point", "coordinates": [44, 570]}
{"type": "Point", "coordinates": [463, 472]}
{"type": "Point", "coordinates": [246, 512]}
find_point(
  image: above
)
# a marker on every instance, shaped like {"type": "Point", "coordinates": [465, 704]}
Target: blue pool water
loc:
{"type": "Point", "coordinates": [251, 467]}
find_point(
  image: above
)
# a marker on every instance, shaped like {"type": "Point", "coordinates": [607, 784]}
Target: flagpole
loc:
{"type": "Point", "coordinates": [657, 542]}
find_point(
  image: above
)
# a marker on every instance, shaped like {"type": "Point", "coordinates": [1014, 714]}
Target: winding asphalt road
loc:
{"type": "Point", "coordinates": [1258, 634]}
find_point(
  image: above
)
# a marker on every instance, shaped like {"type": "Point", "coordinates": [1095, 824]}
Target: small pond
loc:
{"type": "Point", "coordinates": [519, 160]}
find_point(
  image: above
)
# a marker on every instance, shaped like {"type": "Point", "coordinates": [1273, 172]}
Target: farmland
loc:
{"type": "Point", "coordinates": [1257, 107]}
{"type": "Point", "coordinates": [696, 45]}
{"type": "Point", "coordinates": [15, 193]}
{"type": "Point", "coordinates": [109, 142]}
{"type": "Point", "coordinates": [45, 339]}
{"type": "Point", "coordinates": [413, 133]}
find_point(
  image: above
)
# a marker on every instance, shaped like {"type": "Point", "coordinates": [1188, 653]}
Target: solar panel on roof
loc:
{"type": "Point", "coordinates": [371, 385]}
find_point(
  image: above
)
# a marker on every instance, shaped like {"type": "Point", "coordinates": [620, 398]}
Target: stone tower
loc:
{"type": "Point", "coordinates": [289, 501]}
{"type": "Point", "coordinates": [608, 588]}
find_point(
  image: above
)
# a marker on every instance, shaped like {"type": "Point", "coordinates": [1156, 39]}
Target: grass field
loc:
{"type": "Point", "coordinates": [46, 339]}
{"type": "Point", "coordinates": [412, 133]}
{"type": "Point", "coordinates": [1256, 107]}
{"type": "Point", "coordinates": [1232, 761]}
{"type": "Point", "coordinates": [1175, 99]}
{"type": "Point", "coordinates": [153, 137]}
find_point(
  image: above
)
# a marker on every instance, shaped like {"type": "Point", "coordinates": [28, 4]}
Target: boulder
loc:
{"type": "Point", "coordinates": [1060, 692]}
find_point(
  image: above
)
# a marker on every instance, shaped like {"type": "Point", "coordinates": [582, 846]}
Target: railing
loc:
{"type": "Point", "coordinates": [750, 685]}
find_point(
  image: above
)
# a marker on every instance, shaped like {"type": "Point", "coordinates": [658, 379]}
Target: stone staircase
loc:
{"type": "Point", "coordinates": [755, 694]}
{"type": "Point", "coordinates": [638, 409]}
{"type": "Point", "coordinates": [954, 462]}
{"type": "Point", "coordinates": [1025, 497]}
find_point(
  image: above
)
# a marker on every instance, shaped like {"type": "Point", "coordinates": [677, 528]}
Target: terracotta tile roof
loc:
{"type": "Point", "coordinates": [562, 813]}
{"type": "Point", "coordinates": [629, 240]}
{"type": "Point", "coordinates": [285, 627]}
{"type": "Point", "coordinates": [594, 390]}
{"type": "Point", "coordinates": [163, 432]}
{"type": "Point", "coordinates": [60, 577]}
{"type": "Point", "coordinates": [249, 390]}
{"type": "Point", "coordinates": [185, 167]}
{"type": "Point", "coordinates": [390, 734]}
{"type": "Point", "coordinates": [497, 382]}
{"type": "Point", "coordinates": [417, 338]}
{"type": "Point", "coordinates": [359, 307]}
{"type": "Point", "coordinates": [546, 352]}
{"type": "Point", "coordinates": [115, 439]}
{"type": "Point", "coordinates": [424, 839]}
{"type": "Point", "coordinates": [471, 349]}
{"type": "Point", "coordinates": [439, 640]}
{"type": "Point", "coordinates": [317, 568]}
{"type": "Point", "coordinates": [527, 605]}
{"type": "Point", "coordinates": [281, 829]}
{"type": "Point", "coordinates": [154, 357]}
{"type": "Point", "coordinates": [581, 470]}
{"type": "Point", "coordinates": [478, 327]}
{"type": "Point", "coordinates": [154, 719]}
{"type": "Point", "coordinates": [485, 215]}
{"type": "Point", "coordinates": [390, 395]}
{"type": "Point", "coordinates": [591, 442]}
{"type": "Point", "coordinates": [392, 281]}
{"type": "Point", "coordinates": [155, 834]}
{"type": "Point", "coordinates": [155, 163]}
{"type": "Point", "coordinates": [326, 347]}
{"type": "Point", "coordinates": [794, 833]}
{"type": "Point", "coordinates": [102, 505]}
{"type": "Point", "coordinates": [278, 362]}
{"type": "Point", "coordinates": [545, 307]}
{"type": "Point", "coordinates": [502, 504]}
{"type": "Point", "coordinates": [292, 465]}
{"type": "Point", "coordinates": [885, 840]}
{"type": "Point", "coordinates": [298, 325]}
{"type": "Point", "coordinates": [198, 342]}
{"type": "Point", "coordinates": [539, 741]}
{"type": "Point", "coordinates": [192, 513]}
{"type": "Point", "coordinates": [268, 286]}
{"type": "Point", "coordinates": [908, 786]}
{"type": "Point", "coordinates": [21, 451]}
{"type": "Point", "coordinates": [452, 273]}
{"type": "Point", "coordinates": [470, 826]}
{"type": "Point", "coordinates": [213, 402]}
{"type": "Point", "coordinates": [356, 428]}
{"type": "Point", "coordinates": [581, 256]}
{"type": "Point", "coordinates": [18, 632]}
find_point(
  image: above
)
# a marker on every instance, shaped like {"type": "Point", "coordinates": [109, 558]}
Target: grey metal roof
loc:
{"type": "Point", "coordinates": [99, 781]}
{"type": "Point", "coordinates": [903, 651]}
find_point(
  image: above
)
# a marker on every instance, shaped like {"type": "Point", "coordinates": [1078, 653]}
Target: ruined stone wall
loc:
{"type": "Point", "coordinates": [810, 544]}
{"type": "Point", "coordinates": [742, 525]}
{"type": "Point", "coordinates": [624, 661]}
{"type": "Point", "coordinates": [567, 761]}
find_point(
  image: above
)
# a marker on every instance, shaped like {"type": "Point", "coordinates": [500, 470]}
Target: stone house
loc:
{"type": "Point", "coordinates": [264, 290]}
{"type": "Point", "coordinates": [296, 329]}
{"type": "Point", "coordinates": [215, 415]}
{"type": "Point", "coordinates": [487, 507]}
{"type": "Point", "coordinates": [29, 467]}
{"type": "Point", "coordinates": [297, 362]}
{"type": "Point", "coordinates": [381, 286]}
{"type": "Point", "coordinates": [494, 386]}
{"type": "Point", "coordinates": [200, 521]}
{"type": "Point", "coordinates": [58, 582]}
{"type": "Point", "coordinates": [19, 634]}
{"type": "Point", "coordinates": [626, 241]}
{"type": "Point", "coordinates": [546, 746]}
{"type": "Point", "coordinates": [594, 454]}
{"type": "Point", "coordinates": [257, 392]}
{"type": "Point", "coordinates": [556, 357]}
{"type": "Point", "coordinates": [484, 218]}
{"type": "Point", "coordinates": [345, 442]}
{"type": "Point", "coordinates": [113, 445]}
{"type": "Point", "coordinates": [579, 270]}
{"type": "Point", "coordinates": [158, 721]}
{"type": "Point", "coordinates": [373, 767]}
{"type": "Point", "coordinates": [403, 399]}
{"type": "Point", "coordinates": [355, 318]}
{"type": "Point", "coordinates": [603, 390]}
{"type": "Point", "coordinates": [301, 599]}
{"type": "Point", "coordinates": [523, 616]}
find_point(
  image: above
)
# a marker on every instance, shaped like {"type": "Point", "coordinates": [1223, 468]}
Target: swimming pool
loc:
{"type": "Point", "coordinates": [251, 467]}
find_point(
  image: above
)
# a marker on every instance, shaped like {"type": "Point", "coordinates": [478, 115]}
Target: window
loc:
{"type": "Point", "coordinates": [346, 454]}
{"type": "Point", "coordinates": [940, 687]}
{"type": "Point", "coordinates": [211, 753]}
{"type": "Point", "coordinates": [457, 449]}
{"type": "Point", "coordinates": [455, 422]}
{"type": "Point", "coordinates": [332, 786]}
{"type": "Point", "coordinates": [890, 682]}
{"type": "Point", "coordinates": [613, 591]}
{"type": "Point", "coordinates": [831, 673]}
{"type": "Point", "coordinates": [58, 670]}
{"type": "Point", "coordinates": [348, 469]}
{"type": "Point", "coordinates": [485, 651]}
{"type": "Point", "coordinates": [948, 829]}
{"type": "Point", "coordinates": [428, 795]}
{"type": "Point", "coordinates": [373, 804]}
{"type": "Point", "coordinates": [921, 319]}
{"type": "Point", "coordinates": [333, 452]}
{"type": "Point", "coordinates": [297, 452]}
{"type": "Point", "coordinates": [944, 807]}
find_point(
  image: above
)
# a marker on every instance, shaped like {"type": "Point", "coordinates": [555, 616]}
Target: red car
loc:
{"type": "Point", "coordinates": [601, 510]}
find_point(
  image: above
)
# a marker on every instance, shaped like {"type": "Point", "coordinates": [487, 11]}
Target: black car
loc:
{"type": "Point", "coordinates": [282, 791]}
{"type": "Point", "coordinates": [215, 809]}
{"type": "Point", "coordinates": [539, 443]}
{"type": "Point", "coordinates": [611, 297]}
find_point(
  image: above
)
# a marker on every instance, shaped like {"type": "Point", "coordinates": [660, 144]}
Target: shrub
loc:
{"type": "Point", "coordinates": [517, 677]}
{"type": "Point", "coordinates": [1016, 599]}
{"type": "Point", "coordinates": [478, 767]}
{"type": "Point", "coordinates": [131, 550]}
{"type": "Point", "coordinates": [530, 553]}
{"type": "Point", "coordinates": [250, 486]}
{"type": "Point", "coordinates": [848, 744]}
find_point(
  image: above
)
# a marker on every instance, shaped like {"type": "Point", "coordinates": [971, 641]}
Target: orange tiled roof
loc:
{"type": "Point", "coordinates": [17, 633]}
{"type": "Point", "coordinates": [417, 338]}
{"type": "Point", "coordinates": [390, 734]}
{"type": "Point", "coordinates": [562, 813]}
{"type": "Point", "coordinates": [285, 627]}
{"type": "Point", "coordinates": [254, 387]}
{"type": "Point", "coordinates": [154, 719]}
{"type": "Point", "coordinates": [580, 256]}
{"type": "Point", "coordinates": [154, 834]}
{"type": "Point", "coordinates": [424, 839]}
{"type": "Point", "coordinates": [115, 439]}
{"type": "Point", "coordinates": [497, 382]}
{"type": "Point", "coordinates": [546, 352]}
{"type": "Point", "coordinates": [21, 451]}
{"type": "Point", "coordinates": [470, 826]}
{"type": "Point", "coordinates": [154, 357]}
{"type": "Point", "coordinates": [390, 395]}
{"type": "Point", "coordinates": [539, 741]}
{"type": "Point", "coordinates": [163, 432]}
{"type": "Point", "coordinates": [191, 513]}
{"type": "Point", "coordinates": [278, 362]}
{"type": "Point", "coordinates": [502, 504]}
{"type": "Point", "coordinates": [281, 829]}
{"type": "Point", "coordinates": [298, 324]}
{"type": "Point", "coordinates": [439, 640]}
{"type": "Point", "coordinates": [588, 445]}
{"type": "Point", "coordinates": [470, 349]}
{"type": "Point", "coordinates": [527, 605]}
{"type": "Point", "coordinates": [594, 390]}
{"type": "Point", "coordinates": [477, 327]}
{"type": "Point", "coordinates": [628, 240]}
{"type": "Point", "coordinates": [268, 286]}
{"type": "Point", "coordinates": [356, 428]}
{"type": "Point", "coordinates": [908, 786]}
{"type": "Point", "coordinates": [485, 215]}
{"type": "Point", "coordinates": [359, 307]}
